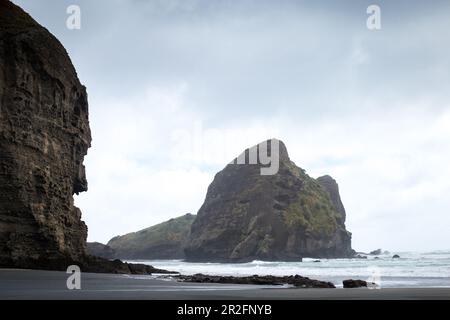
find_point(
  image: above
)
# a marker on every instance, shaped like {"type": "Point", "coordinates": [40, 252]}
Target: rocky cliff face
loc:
{"type": "Point", "coordinates": [285, 216]}
{"type": "Point", "coordinates": [44, 136]}
{"type": "Point", "coordinates": [331, 186]}
{"type": "Point", "coordinates": [162, 241]}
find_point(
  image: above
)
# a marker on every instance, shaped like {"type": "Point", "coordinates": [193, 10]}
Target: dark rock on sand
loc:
{"type": "Point", "coordinates": [44, 136]}
{"type": "Point", "coordinates": [359, 256]}
{"type": "Point", "coordinates": [284, 216]}
{"type": "Point", "coordinates": [395, 256]}
{"type": "Point", "coordinates": [350, 283]}
{"type": "Point", "coordinates": [100, 265]}
{"type": "Point", "coordinates": [101, 250]}
{"type": "Point", "coordinates": [162, 241]}
{"type": "Point", "coordinates": [297, 281]}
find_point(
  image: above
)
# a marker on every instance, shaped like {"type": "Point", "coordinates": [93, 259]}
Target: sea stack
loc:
{"type": "Point", "coordinates": [284, 216]}
{"type": "Point", "coordinates": [44, 136]}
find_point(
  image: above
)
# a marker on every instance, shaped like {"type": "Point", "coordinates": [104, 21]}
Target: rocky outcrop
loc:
{"type": "Point", "coordinates": [296, 281]}
{"type": "Point", "coordinates": [162, 241]}
{"type": "Point", "coordinates": [331, 186]}
{"type": "Point", "coordinates": [350, 283]}
{"type": "Point", "coordinates": [100, 265]}
{"type": "Point", "coordinates": [101, 250]}
{"type": "Point", "coordinates": [44, 136]}
{"type": "Point", "coordinates": [284, 216]}
{"type": "Point", "coordinates": [376, 252]}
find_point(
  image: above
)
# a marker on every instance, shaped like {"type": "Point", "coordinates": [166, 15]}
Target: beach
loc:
{"type": "Point", "coordinates": [43, 285]}
{"type": "Point", "coordinates": [411, 270]}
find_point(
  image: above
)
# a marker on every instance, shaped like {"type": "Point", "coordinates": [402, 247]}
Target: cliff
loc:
{"type": "Point", "coordinates": [162, 241]}
{"type": "Point", "coordinates": [331, 186]}
{"type": "Point", "coordinates": [284, 216]}
{"type": "Point", "coordinates": [44, 136]}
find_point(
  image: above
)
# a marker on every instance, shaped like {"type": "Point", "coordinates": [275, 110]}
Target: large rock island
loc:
{"type": "Point", "coordinates": [284, 216]}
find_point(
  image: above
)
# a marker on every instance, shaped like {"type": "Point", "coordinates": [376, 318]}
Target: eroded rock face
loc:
{"type": "Point", "coordinates": [331, 186]}
{"type": "Point", "coordinates": [248, 216]}
{"type": "Point", "coordinates": [44, 136]}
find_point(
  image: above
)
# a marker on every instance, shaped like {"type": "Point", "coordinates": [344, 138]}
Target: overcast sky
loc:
{"type": "Point", "coordinates": [179, 88]}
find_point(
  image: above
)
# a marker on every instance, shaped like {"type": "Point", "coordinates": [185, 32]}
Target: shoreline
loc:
{"type": "Point", "coordinates": [51, 285]}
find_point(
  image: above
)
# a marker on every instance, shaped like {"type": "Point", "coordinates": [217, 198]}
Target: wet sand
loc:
{"type": "Point", "coordinates": [37, 284]}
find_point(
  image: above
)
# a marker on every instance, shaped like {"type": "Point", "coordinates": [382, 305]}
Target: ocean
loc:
{"type": "Point", "coordinates": [411, 270]}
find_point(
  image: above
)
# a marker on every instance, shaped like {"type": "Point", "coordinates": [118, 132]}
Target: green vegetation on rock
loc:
{"type": "Point", "coordinates": [162, 241]}
{"type": "Point", "coordinates": [286, 216]}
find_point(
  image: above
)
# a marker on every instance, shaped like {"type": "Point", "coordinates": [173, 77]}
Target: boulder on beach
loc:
{"type": "Point", "coordinates": [350, 283]}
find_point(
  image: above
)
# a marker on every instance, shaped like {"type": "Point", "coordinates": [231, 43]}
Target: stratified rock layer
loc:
{"type": "Point", "coordinates": [285, 216]}
{"type": "Point", "coordinates": [44, 136]}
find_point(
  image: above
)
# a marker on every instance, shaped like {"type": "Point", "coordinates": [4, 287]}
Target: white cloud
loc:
{"type": "Point", "coordinates": [392, 169]}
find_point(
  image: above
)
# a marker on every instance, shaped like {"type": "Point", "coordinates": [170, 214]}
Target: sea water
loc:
{"type": "Point", "coordinates": [412, 269]}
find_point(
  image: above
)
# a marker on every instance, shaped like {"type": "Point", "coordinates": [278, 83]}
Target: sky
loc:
{"type": "Point", "coordinates": [178, 88]}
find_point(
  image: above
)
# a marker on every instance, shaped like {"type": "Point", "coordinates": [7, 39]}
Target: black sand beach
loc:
{"type": "Point", "coordinates": [36, 284]}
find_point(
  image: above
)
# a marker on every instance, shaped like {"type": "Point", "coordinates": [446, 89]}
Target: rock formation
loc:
{"type": "Point", "coordinates": [284, 216]}
{"type": "Point", "coordinates": [162, 241]}
{"type": "Point", "coordinates": [376, 252]}
{"type": "Point", "coordinates": [44, 136]}
{"type": "Point", "coordinates": [350, 283]}
{"type": "Point", "coordinates": [101, 250]}
{"type": "Point", "coordinates": [296, 281]}
{"type": "Point", "coordinates": [331, 186]}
